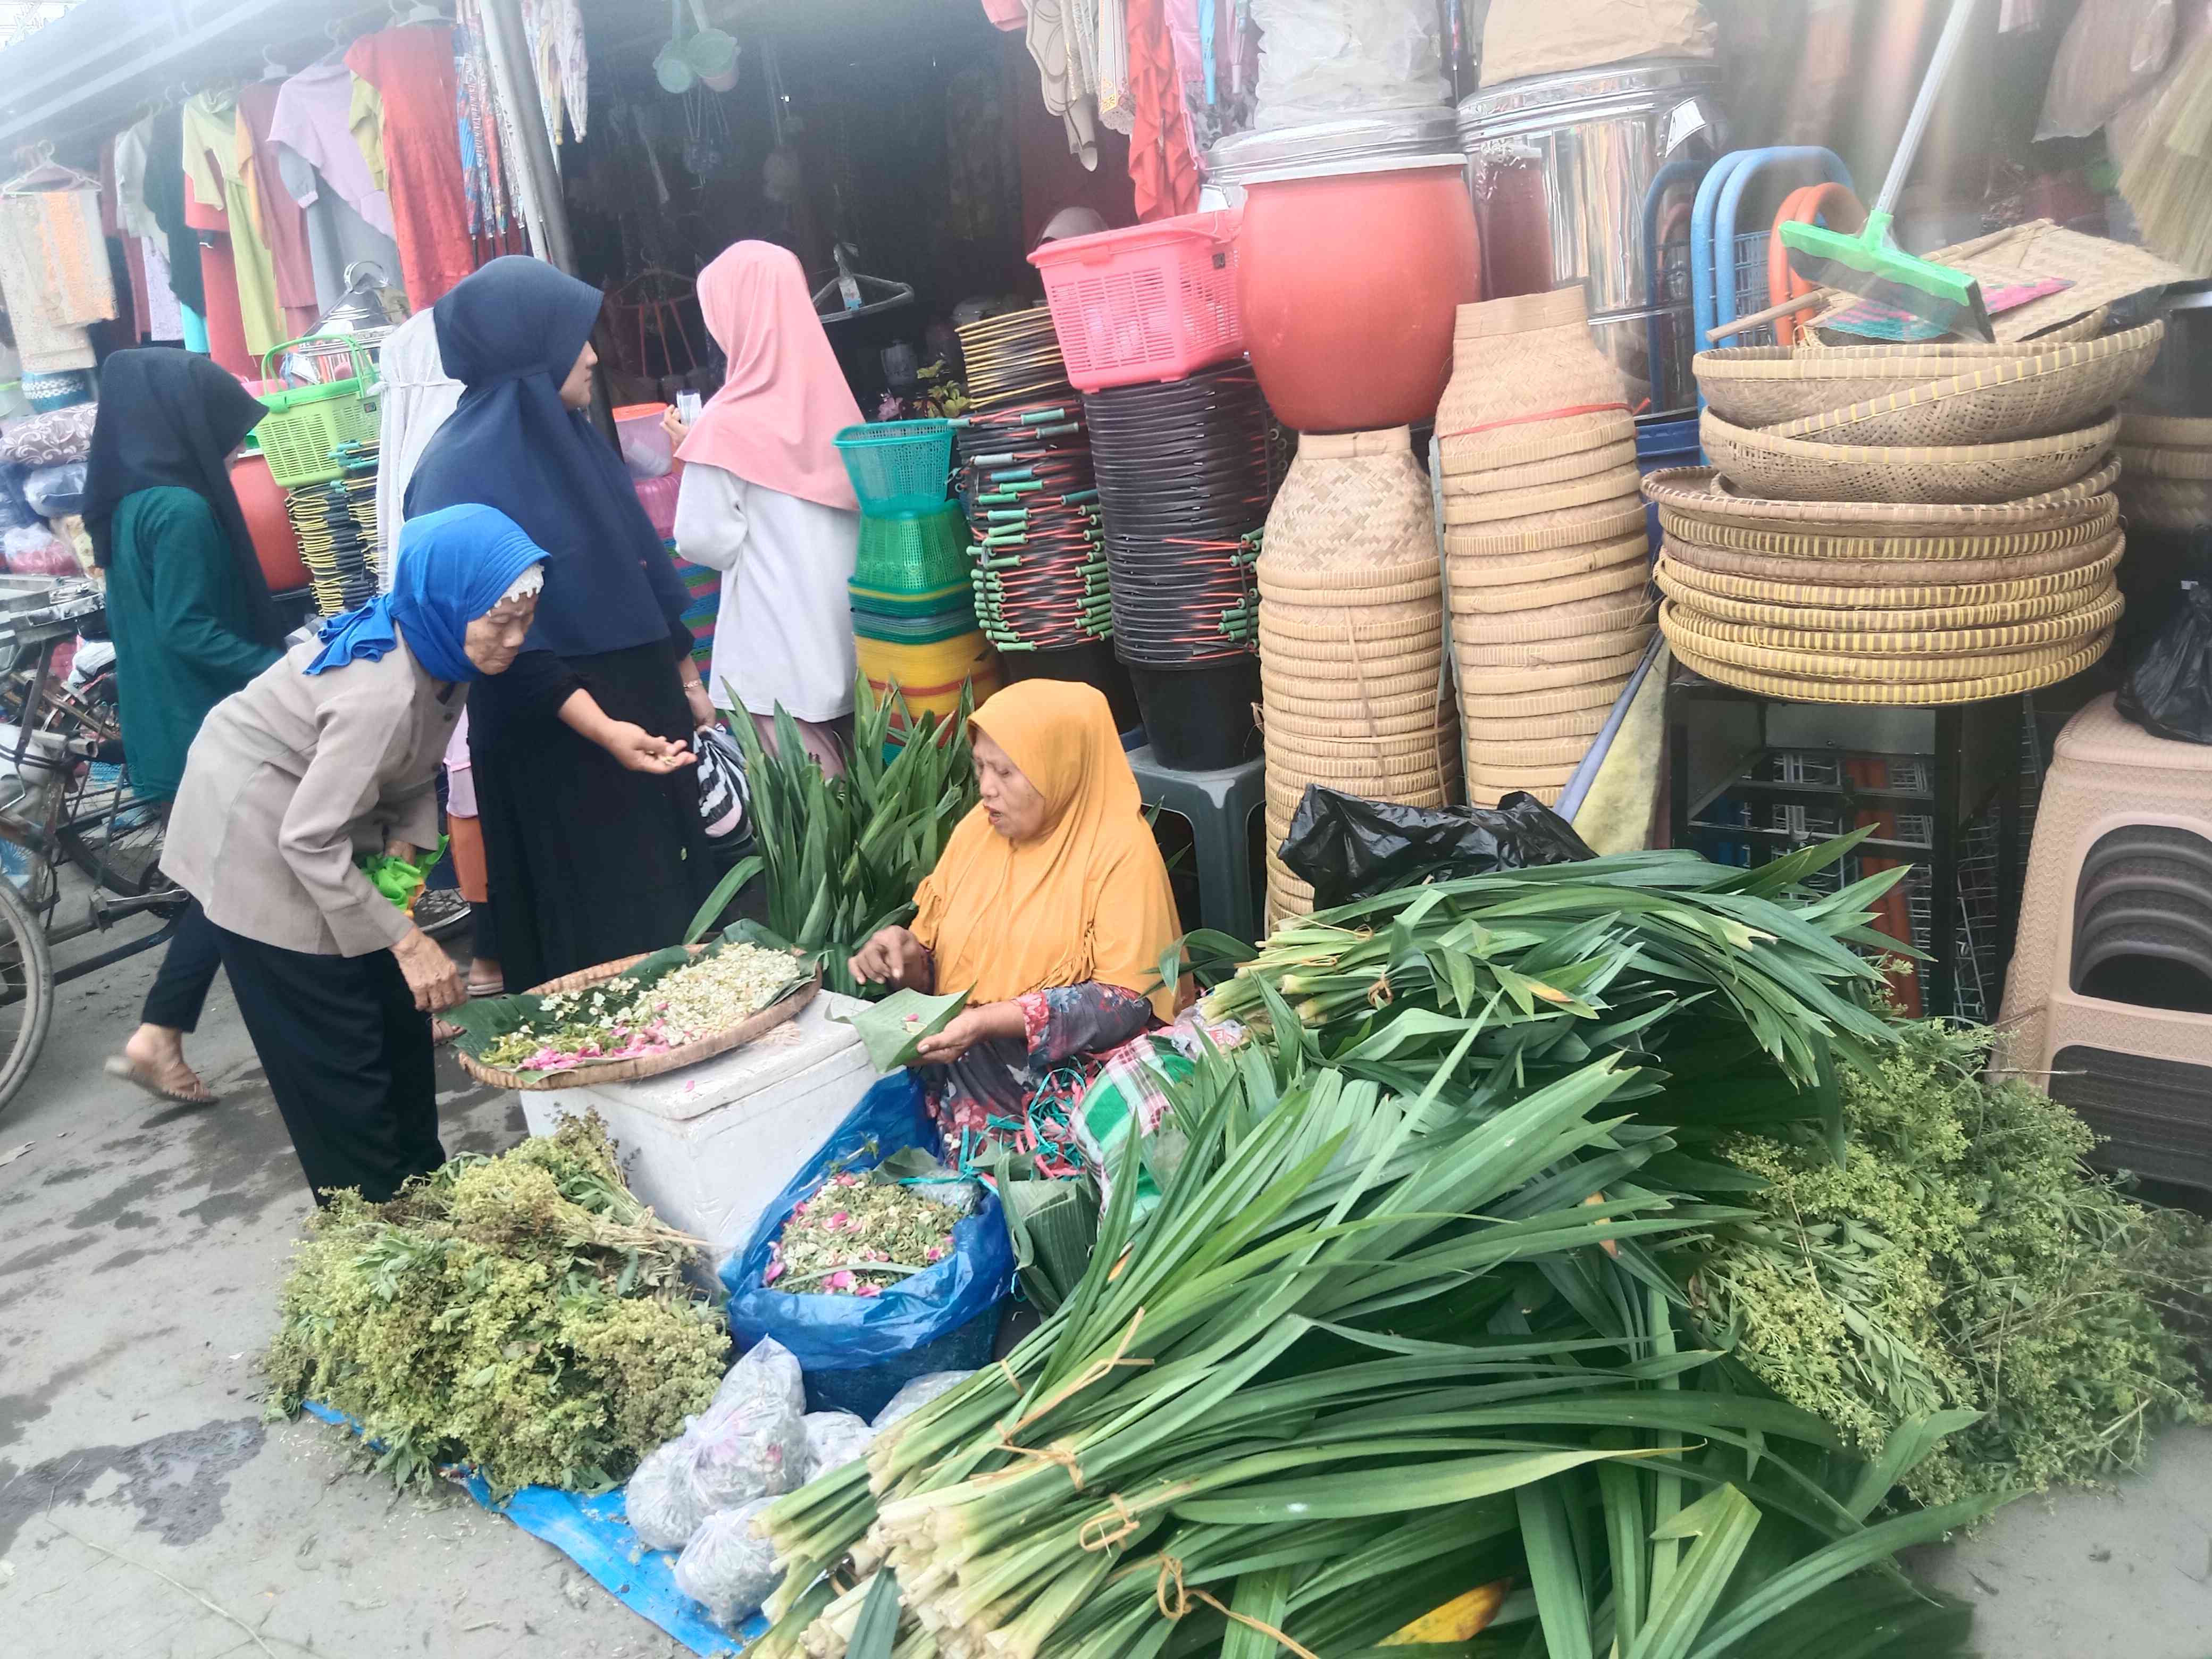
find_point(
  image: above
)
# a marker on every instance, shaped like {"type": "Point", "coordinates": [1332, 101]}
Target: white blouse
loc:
{"type": "Point", "coordinates": [784, 633]}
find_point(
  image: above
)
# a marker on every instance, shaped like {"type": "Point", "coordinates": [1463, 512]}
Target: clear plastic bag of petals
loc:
{"type": "Point", "coordinates": [663, 1507]}
{"type": "Point", "coordinates": [834, 1439]}
{"type": "Point", "coordinates": [917, 1394]}
{"type": "Point", "coordinates": [726, 1569]}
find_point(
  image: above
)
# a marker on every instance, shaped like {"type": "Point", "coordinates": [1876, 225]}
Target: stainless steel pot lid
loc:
{"type": "Point", "coordinates": [1639, 77]}
{"type": "Point", "coordinates": [1452, 159]}
{"type": "Point", "coordinates": [1417, 131]}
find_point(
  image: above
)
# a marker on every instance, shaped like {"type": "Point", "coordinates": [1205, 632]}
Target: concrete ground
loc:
{"type": "Point", "coordinates": [146, 1510]}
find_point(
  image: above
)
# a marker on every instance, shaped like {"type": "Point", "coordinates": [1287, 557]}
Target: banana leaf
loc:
{"type": "Point", "coordinates": [893, 1030]}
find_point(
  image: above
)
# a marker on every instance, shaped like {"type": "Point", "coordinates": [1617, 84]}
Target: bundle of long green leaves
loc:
{"type": "Point", "coordinates": [525, 1315]}
{"type": "Point", "coordinates": [1392, 1336]}
{"type": "Point", "coordinates": [1960, 1255]}
{"type": "Point", "coordinates": [843, 856]}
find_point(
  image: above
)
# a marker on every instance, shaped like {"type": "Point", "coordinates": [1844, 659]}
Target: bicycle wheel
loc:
{"type": "Point", "coordinates": [112, 835]}
{"type": "Point", "coordinates": [27, 992]}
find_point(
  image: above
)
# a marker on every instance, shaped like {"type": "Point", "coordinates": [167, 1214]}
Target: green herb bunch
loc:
{"type": "Point", "coordinates": [525, 1315]}
{"type": "Point", "coordinates": [1960, 1256]}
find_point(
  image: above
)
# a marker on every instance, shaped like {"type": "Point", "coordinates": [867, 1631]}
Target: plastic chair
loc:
{"type": "Point", "coordinates": [1713, 220]}
{"type": "Point", "coordinates": [1218, 807]}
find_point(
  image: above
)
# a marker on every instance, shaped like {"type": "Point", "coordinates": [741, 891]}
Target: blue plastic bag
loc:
{"type": "Point", "coordinates": [880, 1333]}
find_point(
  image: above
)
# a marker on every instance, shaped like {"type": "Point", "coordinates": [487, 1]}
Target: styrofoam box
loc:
{"type": "Point", "coordinates": [710, 1145]}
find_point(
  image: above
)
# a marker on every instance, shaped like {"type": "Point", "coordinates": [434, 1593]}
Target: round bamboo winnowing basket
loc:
{"type": "Point", "coordinates": [1698, 496]}
{"type": "Point", "coordinates": [1351, 624]}
{"type": "Point", "coordinates": [1530, 388]}
{"type": "Point", "coordinates": [1793, 469]}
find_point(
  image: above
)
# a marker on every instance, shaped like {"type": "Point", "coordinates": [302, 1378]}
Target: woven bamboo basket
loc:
{"type": "Point", "coordinates": [1351, 499]}
{"type": "Point", "coordinates": [1545, 782]}
{"type": "Point", "coordinates": [1548, 467]}
{"type": "Point", "coordinates": [1582, 723]}
{"type": "Point", "coordinates": [1578, 696]}
{"type": "Point", "coordinates": [1626, 574]}
{"type": "Point", "coordinates": [1571, 434]}
{"type": "Point", "coordinates": [1793, 470]}
{"type": "Point", "coordinates": [1888, 573]}
{"type": "Point", "coordinates": [1355, 722]}
{"type": "Point", "coordinates": [1892, 595]}
{"type": "Point", "coordinates": [1292, 705]}
{"type": "Point", "coordinates": [1577, 618]}
{"type": "Point", "coordinates": [1915, 550]}
{"type": "Point", "coordinates": [1881, 395]}
{"type": "Point", "coordinates": [1555, 532]}
{"type": "Point", "coordinates": [1491, 797]}
{"type": "Point", "coordinates": [1800, 689]}
{"type": "Point", "coordinates": [784, 1009]}
{"type": "Point", "coordinates": [1506, 571]}
{"type": "Point", "coordinates": [2101, 612]}
{"type": "Point", "coordinates": [1522, 362]}
{"type": "Point", "coordinates": [1700, 492]}
{"type": "Point", "coordinates": [1896, 619]}
{"type": "Point", "coordinates": [1434, 789]}
{"type": "Point", "coordinates": [1599, 645]}
{"type": "Point", "coordinates": [1686, 629]}
{"type": "Point", "coordinates": [2165, 431]}
{"type": "Point", "coordinates": [1477, 682]}
{"type": "Point", "coordinates": [1488, 756]}
{"type": "Point", "coordinates": [1494, 510]}
{"type": "Point", "coordinates": [2182, 504]}
{"type": "Point", "coordinates": [1293, 677]}
{"type": "Point", "coordinates": [2141, 461]}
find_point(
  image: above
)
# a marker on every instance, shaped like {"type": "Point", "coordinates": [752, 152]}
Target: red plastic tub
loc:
{"type": "Point", "coordinates": [275, 543]}
{"type": "Point", "coordinates": [1152, 302]}
{"type": "Point", "coordinates": [1348, 282]}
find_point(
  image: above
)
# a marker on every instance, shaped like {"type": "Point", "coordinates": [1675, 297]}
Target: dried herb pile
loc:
{"type": "Point", "coordinates": [523, 1313]}
{"type": "Point", "coordinates": [858, 1237]}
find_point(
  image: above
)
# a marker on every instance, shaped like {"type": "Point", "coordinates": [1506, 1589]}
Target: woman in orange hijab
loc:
{"type": "Point", "coordinates": [1050, 907]}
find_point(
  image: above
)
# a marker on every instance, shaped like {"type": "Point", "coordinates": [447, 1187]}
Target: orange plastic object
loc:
{"type": "Point", "coordinates": [1348, 284]}
{"type": "Point", "coordinates": [1843, 212]}
{"type": "Point", "coordinates": [275, 544]}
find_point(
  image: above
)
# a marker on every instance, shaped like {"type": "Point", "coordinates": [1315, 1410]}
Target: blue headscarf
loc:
{"type": "Point", "coordinates": [510, 334]}
{"type": "Point", "coordinates": [453, 565]}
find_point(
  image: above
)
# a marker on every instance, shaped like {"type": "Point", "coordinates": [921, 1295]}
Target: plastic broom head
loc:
{"type": "Point", "coordinates": [1876, 269]}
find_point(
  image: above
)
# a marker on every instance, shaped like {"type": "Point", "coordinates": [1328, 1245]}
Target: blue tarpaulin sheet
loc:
{"type": "Point", "coordinates": [594, 1533]}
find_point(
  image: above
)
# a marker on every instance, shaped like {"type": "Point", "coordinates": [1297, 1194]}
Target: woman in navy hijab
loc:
{"type": "Point", "coordinates": [583, 772]}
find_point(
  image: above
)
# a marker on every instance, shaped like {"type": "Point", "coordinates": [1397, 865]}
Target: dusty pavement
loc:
{"type": "Point", "coordinates": [147, 1512]}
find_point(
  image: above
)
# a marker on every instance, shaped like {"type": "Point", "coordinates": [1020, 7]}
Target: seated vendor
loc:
{"type": "Point", "coordinates": [1051, 906]}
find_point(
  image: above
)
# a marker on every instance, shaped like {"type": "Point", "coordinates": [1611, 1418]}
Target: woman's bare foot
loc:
{"type": "Point", "coordinates": [486, 978]}
{"type": "Point", "coordinates": [153, 1059]}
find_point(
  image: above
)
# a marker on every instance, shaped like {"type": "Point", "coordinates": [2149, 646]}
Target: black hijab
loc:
{"type": "Point", "coordinates": [171, 417]}
{"type": "Point", "coordinates": [165, 200]}
{"type": "Point", "coordinates": [510, 334]}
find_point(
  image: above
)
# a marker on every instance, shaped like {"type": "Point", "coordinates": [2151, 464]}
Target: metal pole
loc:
{"type": "Point", "coordinates": [537, 179]}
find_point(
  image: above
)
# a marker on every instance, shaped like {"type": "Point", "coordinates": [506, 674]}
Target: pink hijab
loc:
{"type": "Point", "coordinates": [785, 398]}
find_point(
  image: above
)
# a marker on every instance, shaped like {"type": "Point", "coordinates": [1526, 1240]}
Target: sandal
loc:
{"type": "Point", "coordinates": [123, 1069]}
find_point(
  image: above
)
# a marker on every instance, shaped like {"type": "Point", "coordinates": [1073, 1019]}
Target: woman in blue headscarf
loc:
{"type": "Point", "coordinates": [330, 755]}
{"type": "Point", "coordinates": [584, 777]}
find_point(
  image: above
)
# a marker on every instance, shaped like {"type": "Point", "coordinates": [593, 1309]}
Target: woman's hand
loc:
{"type": "Point", "coordinates": [405, 852]}
{"type": "Point", "coordinates": [673, 425]}
{"type": "Point", "coordinates": [640, 751]}
{"type": "Point", "coordinates": [893, 957]}
{"type": "Point", "coordinates": [974, 1025]}
{"type": "Point", "coordinates": [704, 712]}
{"type": "Point", "coordinates": [430, 972]}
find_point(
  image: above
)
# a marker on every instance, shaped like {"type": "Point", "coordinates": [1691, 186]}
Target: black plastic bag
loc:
{"type": "Point", "coordinates": [1347, 848]}
{"type": "Point", "coordinates": [2169, 692]}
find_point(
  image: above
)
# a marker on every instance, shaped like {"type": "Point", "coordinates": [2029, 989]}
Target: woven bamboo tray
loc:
{"type": "Point", "coordinates": [1433, 790]}
{"type": "Point", "coordinates": [1548, 467]}
{"type": "Point", "coordinates": [1555, 532]}
{"type": "Point", "coordinates": [1845, 573]}
{"type": "Point", "coordinates": [1576, 619]}
{"type": "Point", "coordinates": [1582, 723]}
{"type": "Point", "coordinates": [1479, 682]}
{"type": "Point", "coordinates": [1601, 645]}
{"type": "Point", "coordinates": [1879, 395]}
{"type": "Point", "coordinates": [1626, 575]}
{"type": "Point", "coordinates": [1512, 445]}
{"type": "Point", "coordinates": [1293, 678]}
{"type": "Point", "coordinates": [1545, 782]}
{"type": "Point", "coordinates": [1798, 689]}
{"type": "Point", "coordinates": [1788, 613]}
{"type": "Point", "coordinates": [2181, 504]}
{"type": "Point", "coordinates": [1480, 705]}
{"type": "Point", "coordinates": [1915, 550]}
{"type": "Point", "coordinates": [2139, 461]}
{"type": "Point", "coordinates": [1506, 571]}
{"type": "Point", "coordinates": [1488, 756]}
{"type": "Point", "coordinates": [1700, 492]}
{"type": "Point", "coordinates": [1283, 704]}
{"type": "Point", "coordinates": [1793, 470]}
{"type": "Point", "coordinates": [785, 1008]}
{"type": "Point", "coordinates": [1350, 722]}
{"type": "Point", "coordinates": [2166, 431]}
{"type": "Point", "coordinates": [1491, 797]}
{"type": "Point", "coordinates": [1496, 507]}
{"type": "Point", "coordinates": [1685, 628]}
{"type": "Point", "coordinates": [1890, 596]}
{"type": "Point", "coordinates": [2102, 613]}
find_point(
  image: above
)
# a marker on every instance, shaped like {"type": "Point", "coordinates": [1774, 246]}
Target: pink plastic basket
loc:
{"type": "Point", "coordinates": [1150, 303]}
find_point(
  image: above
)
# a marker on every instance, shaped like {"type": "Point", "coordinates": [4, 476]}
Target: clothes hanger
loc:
{"type": "Point", "coordinates": [421, 11]}
{"type": "Point", "coordinates": [46, 173]}
{"type": "Point", "coordinates": [270, 69]}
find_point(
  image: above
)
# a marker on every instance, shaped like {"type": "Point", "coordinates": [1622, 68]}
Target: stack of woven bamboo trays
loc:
{"type": "Point", "coordinates": [1547, 551]}
{"type": "Point", "coordinates": [1351, 668]}
{"type": "Point", "coordinates": [1866, 535]}
{"type": "Point", "coordinates": [2166, 472]}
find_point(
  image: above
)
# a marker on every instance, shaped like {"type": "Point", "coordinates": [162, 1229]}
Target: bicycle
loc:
{"type": "Point", "coordinates": [70, 824]}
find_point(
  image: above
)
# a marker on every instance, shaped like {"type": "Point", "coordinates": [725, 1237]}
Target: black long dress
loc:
{"type": "Point", "coordinates": [591, 861]}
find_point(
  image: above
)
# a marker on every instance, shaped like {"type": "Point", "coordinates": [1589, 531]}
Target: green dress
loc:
{"type": "Point", "coordinates": [179, 611]}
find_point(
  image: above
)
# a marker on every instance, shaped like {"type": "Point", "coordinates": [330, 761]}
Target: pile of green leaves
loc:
{"type": "Point", "coordinates": [843, 856]}
{"type": "Point", "coordinates": [525, 1315]}
{"type": "Point", "coordinates": [1960, 1256]}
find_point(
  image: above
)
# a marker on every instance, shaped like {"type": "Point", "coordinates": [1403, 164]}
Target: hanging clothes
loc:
{"type": "Point", "coordinates": [165, 317]}
{"type": "Point", "coordinates": [130, 311]}
{"type": "Point", "coordinates": [46, 344]}
{"type": "Point", "coordinates": [1162, 167]}
{"type": "Point", "coordinates": [210, 121]}
{"type": "Point", "coordinates": [275, 213]}
{"type": "Point", "coordinates": [1069, 93]}
{"type": "Point", "coordinates": [314, 120]}
{"type": "Point", "coordinates": [1116, 92]}
{"type": "Point", "coordinates": [165, 190]}
{"type": "Point", "coordinates": [419, 397]}
{"type": "Point", "coordinates": [411, 67]}
{"type": "Point", "coordinates": [555, 31]}
{"type": "Point", "coordinates": [132, 214]}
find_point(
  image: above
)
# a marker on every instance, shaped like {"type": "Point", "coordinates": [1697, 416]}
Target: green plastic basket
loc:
{"type": "Point", "coordinates": [305, 423]}
{"type": "Point", "coordinates": [912, 553]}
{"type": "Point", "coordinates": [898, 466]}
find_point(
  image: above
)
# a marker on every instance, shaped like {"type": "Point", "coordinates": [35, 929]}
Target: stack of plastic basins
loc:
{"type": "Point", "coordinates": [913, 610]}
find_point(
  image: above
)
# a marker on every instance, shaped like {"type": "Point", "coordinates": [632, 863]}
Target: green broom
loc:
{"type": "Point", "coordinates": [1870, 264]}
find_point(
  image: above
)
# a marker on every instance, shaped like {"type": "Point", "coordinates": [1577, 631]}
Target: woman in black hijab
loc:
{"type": "Point", "coordinates": [190, 614]}
{"type": "Point", "coordinates": [583, 774]}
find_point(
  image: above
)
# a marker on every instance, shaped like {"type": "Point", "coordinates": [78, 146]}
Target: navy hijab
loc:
{"type": "Point", "coordinates": [460, 562]}
{"type": "Point", "coordinates": [510, 334]}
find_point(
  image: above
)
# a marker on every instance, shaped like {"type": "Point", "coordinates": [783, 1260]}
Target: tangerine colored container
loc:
{"type": "Point", "coordinates": [1348, 280]}
{"type": "Point", "coordinates": [275, 544]}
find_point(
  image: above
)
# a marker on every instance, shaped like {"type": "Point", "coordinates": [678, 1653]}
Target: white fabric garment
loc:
{"type": "Point", "coordinates": [165, 313]}
{"type": "Point", "coordinates": [132, 213]}
{"type": "Point", "coordinates": [460, 774]}
{"type": "Point", "coordinates": [418, 399]}
{"type": "Point", "coordinates": [784, 633]}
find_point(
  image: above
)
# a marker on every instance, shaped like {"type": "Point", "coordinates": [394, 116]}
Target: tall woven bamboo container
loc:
{"type": "Point", "coordinates": [1351, 607]}
{"type": "Point", "coordinates": [1546, 545]}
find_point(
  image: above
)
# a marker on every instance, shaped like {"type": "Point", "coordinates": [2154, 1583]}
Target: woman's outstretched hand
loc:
{"type": "Point", "coordinates": [642, 750]}
{"type": "Point", "coordinates": [893, 957]}
{"type": "Point", "coordinates": [970, 1027]}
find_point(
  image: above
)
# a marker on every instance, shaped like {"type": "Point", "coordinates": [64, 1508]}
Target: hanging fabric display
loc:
{"type": "Point", "coordinates": [53, 267]}
{"type": "Point", "coordinates": [210, 126]}
{"type": "Point", "coordinates": [267, 218]}
{"type": "Point", "coordinates": [411, 67]}
{"type": "Point", "coordinates": [555, 30]}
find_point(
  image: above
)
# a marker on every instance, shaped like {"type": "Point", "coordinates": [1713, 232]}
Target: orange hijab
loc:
{"type": "Point", "coordinates": [1087, 900]}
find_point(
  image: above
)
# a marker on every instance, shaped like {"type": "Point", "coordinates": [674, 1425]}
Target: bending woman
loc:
{"type": "Point", "coordinates": [1051, 906]}
{"type": "Point", "coordinates": [765, 500]}
{"type": "Point", "coordinates": [331, 755]}
{"type": "Point", "coordinates": [589, 808]}
{"type": "Point", "coordinates": [190, 617]}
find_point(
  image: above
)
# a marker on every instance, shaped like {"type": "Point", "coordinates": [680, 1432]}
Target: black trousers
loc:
{"type": "Point", "coordinates": [187, 973]}
{"type": "Point", "coordinates": [348, 1058]}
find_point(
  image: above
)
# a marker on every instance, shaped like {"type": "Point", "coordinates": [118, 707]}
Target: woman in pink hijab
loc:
{"type": "Point", "coordinates": [765, 500]}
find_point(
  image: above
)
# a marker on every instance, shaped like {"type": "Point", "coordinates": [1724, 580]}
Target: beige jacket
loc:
{"type": "Point", "coordinates": [292, 777]}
